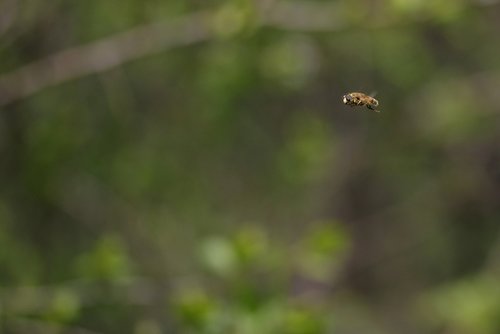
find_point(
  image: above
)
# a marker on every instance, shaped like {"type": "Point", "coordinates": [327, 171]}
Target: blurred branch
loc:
{"type": "Point", "coordinates": [304, 16]}
{"type": "Point", "coordinates": [102, 55]}
{"type": "Point", "coordinates": [148, 39]}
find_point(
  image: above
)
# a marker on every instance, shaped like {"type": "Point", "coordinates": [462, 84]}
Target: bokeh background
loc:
{"type": "Point", "coordinates": [189, 167]}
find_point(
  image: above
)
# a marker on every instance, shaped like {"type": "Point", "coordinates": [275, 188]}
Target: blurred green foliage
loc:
{"type": "Point", "coordinates": [254, 298]}
{"type": "Point", "coordinates": [189, 167]}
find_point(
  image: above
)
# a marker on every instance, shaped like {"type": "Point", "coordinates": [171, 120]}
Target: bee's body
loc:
{"type": "Point", "coordinates": [360, 99]}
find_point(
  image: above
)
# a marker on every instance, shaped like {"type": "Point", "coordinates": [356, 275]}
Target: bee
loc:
{"type": "Point", "coordinates": [360, 99]}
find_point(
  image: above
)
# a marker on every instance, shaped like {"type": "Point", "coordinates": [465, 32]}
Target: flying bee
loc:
{"type": "Point", "coordinates": [360, 99]}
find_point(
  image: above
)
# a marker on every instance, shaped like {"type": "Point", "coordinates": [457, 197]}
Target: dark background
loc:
{"type": "Point", "coordinates": [189, 167]}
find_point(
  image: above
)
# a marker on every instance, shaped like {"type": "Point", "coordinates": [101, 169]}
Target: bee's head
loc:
{"type": "Point", "coordinates": [347, 98]}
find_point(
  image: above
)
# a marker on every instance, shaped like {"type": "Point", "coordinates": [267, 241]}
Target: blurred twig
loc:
{"type": "Point", "coordinates": [102, 55]}
{"type": "Point", "coordinates": [152, 38]}
{"type": "Point", "coordinates": [304, 16]}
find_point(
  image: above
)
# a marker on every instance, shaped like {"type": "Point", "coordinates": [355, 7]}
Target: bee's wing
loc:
{"type": "Point", "coordinates": [373, 94]}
